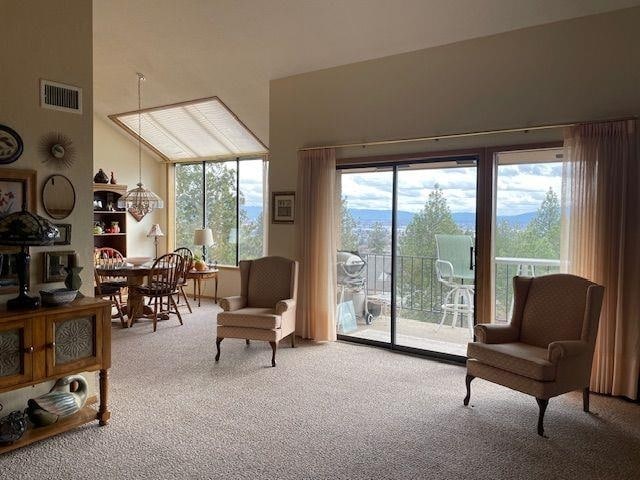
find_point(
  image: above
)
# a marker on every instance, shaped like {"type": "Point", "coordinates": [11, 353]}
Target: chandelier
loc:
{"type": "Point", "coordinates": [140, 201]}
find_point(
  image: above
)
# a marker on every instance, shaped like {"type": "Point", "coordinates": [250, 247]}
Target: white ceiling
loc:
{"type": "Point", "coordinates": [191, 49]}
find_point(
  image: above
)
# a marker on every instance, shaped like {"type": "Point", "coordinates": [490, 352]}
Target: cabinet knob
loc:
{"type": "Point", "coordinates": [52, 345]}
{"type": "Point", "coordinates": [28, 349]}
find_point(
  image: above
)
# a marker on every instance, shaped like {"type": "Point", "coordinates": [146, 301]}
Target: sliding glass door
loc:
{"type": "Point", "coordinates": [406, 276]}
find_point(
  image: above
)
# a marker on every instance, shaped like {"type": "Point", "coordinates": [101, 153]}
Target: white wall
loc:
{"type": "Point", "coordinates": [50, 40]}
{"type": "Point", "coordinates": [582, 69]}
{"type": "Point", "coordinates": [114, 150]}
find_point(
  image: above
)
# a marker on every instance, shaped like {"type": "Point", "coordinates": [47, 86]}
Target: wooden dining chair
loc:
{"type": "Point", "coordinates": [163, 279]}
{"type": "Point", "coordinates": [110, 257]}
{"type": "Point", "coordinates": [187, 256]}
{"type": "Point", "coordinates": [109, 292]}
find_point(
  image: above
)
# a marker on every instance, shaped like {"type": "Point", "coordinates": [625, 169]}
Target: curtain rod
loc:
{"type": "Point", "coordinates": [464, 134]}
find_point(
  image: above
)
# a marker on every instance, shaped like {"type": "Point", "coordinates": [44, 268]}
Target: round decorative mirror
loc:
{"type": "Point", "coordinates": [58, 197]}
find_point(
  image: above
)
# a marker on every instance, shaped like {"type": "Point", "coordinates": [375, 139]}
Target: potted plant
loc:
{"type": "Point", "coordinates": [198, 263]}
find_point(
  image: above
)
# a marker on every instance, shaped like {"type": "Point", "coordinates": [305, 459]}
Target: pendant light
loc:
{"type": "Point", "coordinates": [140, 201]}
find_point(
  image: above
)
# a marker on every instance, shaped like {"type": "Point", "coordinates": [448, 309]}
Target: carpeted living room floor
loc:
{"type": "Point", "coordinates": [337, 411]}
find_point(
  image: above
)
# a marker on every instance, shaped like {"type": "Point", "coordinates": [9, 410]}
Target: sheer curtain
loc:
{"type": "Point", "coordinates": [317, 244]}
{"type": "Point", "coordinates": [601, 242]}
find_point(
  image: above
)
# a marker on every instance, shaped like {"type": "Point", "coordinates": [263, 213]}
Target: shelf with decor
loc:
{"type": "Point", "coordinates": [107, 215]}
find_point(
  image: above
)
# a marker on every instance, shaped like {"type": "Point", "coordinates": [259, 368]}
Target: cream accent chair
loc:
{"type": "Point", "coordinates": [266, 307]}
{"type": "Point", "coordinates": [547, 349]}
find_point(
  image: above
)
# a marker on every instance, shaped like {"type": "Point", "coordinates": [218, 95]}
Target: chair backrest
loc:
{"type": "Point", "coordinates": [265, 281]}
{"type": "Point", "coordinates": [456, 249]}
{"type": "Point", "coordinates": [557, 307]}
{"type": "Point", "coordinates": [165, 273]}
{"type": "Point", "coordinates": [187, 256]}
{"type": "Point", "coordinates": [107, 256]}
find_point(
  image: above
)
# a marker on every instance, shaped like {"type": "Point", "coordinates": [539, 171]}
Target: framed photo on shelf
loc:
{"type": "Point", "coordinates": [17, 189]}
{"type": "Point", "coordinates": [64, 234]}
{"type": "Point", "coordinates": [54, 266]}
{"type": "Point", "coordinates": [9, 270]}
{"type": "Point", "coordinates": [283, 207]}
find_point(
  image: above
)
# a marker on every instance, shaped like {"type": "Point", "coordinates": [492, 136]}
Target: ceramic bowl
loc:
{"type": "Point", "coordinates": [138, 261]}
{"type": "Point", "coordinates": [58, 296]}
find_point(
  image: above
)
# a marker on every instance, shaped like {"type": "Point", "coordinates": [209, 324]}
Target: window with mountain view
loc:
{"type": "Point", "coordinates": [227, 197]}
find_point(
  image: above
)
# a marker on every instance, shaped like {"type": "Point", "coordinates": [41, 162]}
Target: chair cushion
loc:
{"type": "Point", "coordinates": [265, 318]}
{"type": "Point", "coordinates": [269, 281]}
{"type": "Point", "coordinates": [519, 358]}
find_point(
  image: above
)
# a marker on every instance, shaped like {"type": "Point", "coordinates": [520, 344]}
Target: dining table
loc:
{"type": "Point", "coordinates": [135, 275]}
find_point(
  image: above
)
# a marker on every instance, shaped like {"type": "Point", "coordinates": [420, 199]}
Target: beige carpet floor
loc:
{"type": "Point", "coordinates": [334, 411]}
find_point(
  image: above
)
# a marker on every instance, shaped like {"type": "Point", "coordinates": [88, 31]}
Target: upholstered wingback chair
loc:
{"type": "Point", "coordinates": [266, 307]}
{"type": "Point", "coordinates": [547, 349]}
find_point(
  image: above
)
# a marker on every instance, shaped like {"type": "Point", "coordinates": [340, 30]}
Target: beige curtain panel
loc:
{"type": "Point", "coordinates": [317, 244]}
{"type": "Point", "coordinates": [601, 242]}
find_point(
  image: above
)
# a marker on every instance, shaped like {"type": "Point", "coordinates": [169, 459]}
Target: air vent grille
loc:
{"type": "Point", "coordinates": [58, 96]}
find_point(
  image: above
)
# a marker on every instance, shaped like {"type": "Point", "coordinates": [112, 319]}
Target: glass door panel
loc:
{"type": "Point", "coordinates": [364, 254]}
{"type": "Point", "coordinates": [526, 220]}
{"type": "Point", "coordinates": [435, 276]}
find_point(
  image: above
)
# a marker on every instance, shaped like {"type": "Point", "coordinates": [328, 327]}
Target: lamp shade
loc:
{"type": "Point", "coordinates": [155, 231]}
{"type": "Point", "coordinates": [203, 236]}
{"type": "Point", "coordinates": [26, 229]}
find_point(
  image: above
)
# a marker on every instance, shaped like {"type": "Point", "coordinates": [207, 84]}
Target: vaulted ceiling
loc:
{"type": "Point", "coordinates": [190, 49]}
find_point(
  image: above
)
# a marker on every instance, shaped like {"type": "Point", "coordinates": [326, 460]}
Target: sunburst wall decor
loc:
{"type": "Point", "coordinates": [57, 149]}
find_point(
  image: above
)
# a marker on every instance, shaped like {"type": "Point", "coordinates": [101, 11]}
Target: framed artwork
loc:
{"type": "Point", "coordinates": [17, 189]}
{"type": "Point", "coordinates": [54, 266]}
{"type": "Point", "coordinates": [283, 207]}
{"type": "Point", "coordinates": [11, 145]}
{"type": "Point", "coordinates": [64, 234]}
{"type": "Point", "coordinates": [9, 270]}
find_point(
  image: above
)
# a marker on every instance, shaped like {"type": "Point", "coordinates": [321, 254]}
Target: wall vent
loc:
{"type": "Point", "coordinates": [58, 96]}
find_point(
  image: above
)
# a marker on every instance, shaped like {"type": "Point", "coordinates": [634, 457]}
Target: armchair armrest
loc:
{"type": "Point", "coordinates": [565, 349]}
{"type": "Point", "coordinates": [492, 333]}
{"type": "Point", "coordinates": [229, 304]}
{"type": "Point", "coordinates": [285, 306]}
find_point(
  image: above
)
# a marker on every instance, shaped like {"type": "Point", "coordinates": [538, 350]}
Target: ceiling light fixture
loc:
{"type": "Point", "coordinates": [140, 201]}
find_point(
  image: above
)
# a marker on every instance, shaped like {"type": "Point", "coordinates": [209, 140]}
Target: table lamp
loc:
{"type": "Point", "coordinates": [203, 237]}
{"type": "Point", "coordinates": [25, 229]}
{"type": "Point", "coordinates": [155, 232]}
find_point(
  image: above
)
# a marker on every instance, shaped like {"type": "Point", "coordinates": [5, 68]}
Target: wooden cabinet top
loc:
{"type": "Point", "coordinates": [108, 187]}
{"type": "Point", "coordinates": [79, 304]}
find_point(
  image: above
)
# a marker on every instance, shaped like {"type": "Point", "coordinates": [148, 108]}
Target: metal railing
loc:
{"type": "Point", "coordinates": [419, 290]}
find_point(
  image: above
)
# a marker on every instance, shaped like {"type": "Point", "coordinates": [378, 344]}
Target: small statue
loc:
{"type": "Point", "coordinates": [67, 397]}
{"type": "Point", "coordinates": [12, 427]}
{"type": "Point", "coordinates": [113, 179]}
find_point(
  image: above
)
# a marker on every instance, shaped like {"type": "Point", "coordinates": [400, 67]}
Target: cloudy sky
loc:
{"type": "Point", "coordinates": [251, 182]}
{"type": "Point", "coordinates": [521, 188]}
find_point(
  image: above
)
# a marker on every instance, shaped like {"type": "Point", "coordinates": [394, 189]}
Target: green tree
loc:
{"type": "Point", "coordinates": [251, 236]}
{"type": "Point", "coordinates": [377, 239]}
{"type": "Point", "coordinates": [349, 228]}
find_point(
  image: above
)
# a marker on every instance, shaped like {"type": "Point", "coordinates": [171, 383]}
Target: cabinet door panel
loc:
{"type": "Point", "coordinates": [16, 352]}
{"type": "Point", "coordinates": [73, 342]}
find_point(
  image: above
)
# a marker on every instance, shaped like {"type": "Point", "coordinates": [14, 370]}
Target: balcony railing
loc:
{"type": "Point", "coordinates": [420, 291]}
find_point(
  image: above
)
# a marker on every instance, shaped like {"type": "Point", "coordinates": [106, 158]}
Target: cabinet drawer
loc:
{"type": "Point", "coordinates": [16, 353]}
{"type": "Point", "coordinates": [74, 341]}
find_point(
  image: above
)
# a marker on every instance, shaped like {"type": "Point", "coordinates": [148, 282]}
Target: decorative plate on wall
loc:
{"type": "Point", "coordinates": [10, 145]}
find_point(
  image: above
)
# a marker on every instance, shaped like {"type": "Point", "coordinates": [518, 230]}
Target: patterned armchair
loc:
{"type": "Point", "coordinates": [547, 349]}
{"type": "Point", "coordinates": [266, 307]}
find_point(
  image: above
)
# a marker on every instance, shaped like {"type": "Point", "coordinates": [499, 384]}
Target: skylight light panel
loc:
{"type": "Point", "coordinates": [197, 130]}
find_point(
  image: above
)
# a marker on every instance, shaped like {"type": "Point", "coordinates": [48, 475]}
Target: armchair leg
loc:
{"type": "Point", "coordinates": [585, 399]}
{"type": "Point", "coordinates": [293, 340]}
{"type": "Point", "coordinates": [248, 341]}
{"type": "Point", "coordinates": [542, 404]}
{"type": "Point", "coordinates": [467, 381]}
{"type": "Point", "coordinates": [218, 340]}
{"type": "Point", "coordinates": [274, 346]}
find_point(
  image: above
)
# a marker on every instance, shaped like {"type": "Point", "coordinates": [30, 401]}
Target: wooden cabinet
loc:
{"type": "Point", "coordinates": [51, 342]}
{"type": "Point", "coordinates": [106, 212]}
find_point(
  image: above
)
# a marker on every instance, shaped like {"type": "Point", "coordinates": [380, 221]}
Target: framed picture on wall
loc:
{"type": "Point", "coordinates": [54, 266]}
{"type": "Point", "coordinates": [283, 207]}
{"type": "Point", "coordinates": [17, 189]}
{"type": "Point", "coordinates": [9, 270]}
{"type": "Point", "coordinates": [64, 234]}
